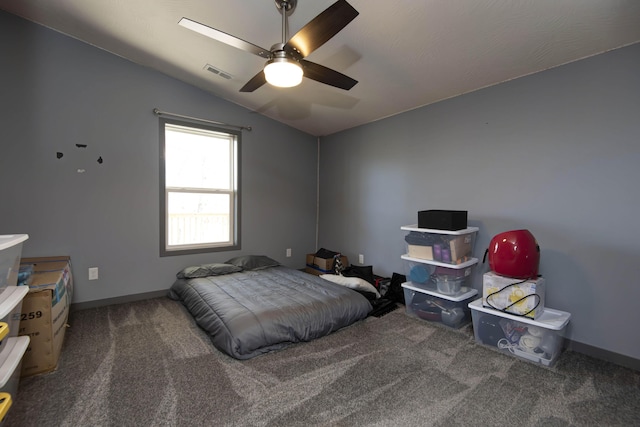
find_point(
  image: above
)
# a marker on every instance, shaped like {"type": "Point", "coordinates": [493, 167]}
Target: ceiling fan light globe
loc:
{"type": "Point", "coordinates": [282, 72]}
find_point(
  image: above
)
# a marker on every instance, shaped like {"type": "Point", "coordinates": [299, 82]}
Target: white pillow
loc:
{"type": "Point", "coordinates": [352, 282]}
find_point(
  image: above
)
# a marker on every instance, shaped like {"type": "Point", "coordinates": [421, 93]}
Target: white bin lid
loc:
{"type": "Point", "coordinates": [549, 319]}
{"type": "Point", "coordinates": [9, 240]}
{"type": "Point", "coordinates": [465, 293]}
{"type": "Point", "coordinates": [414, 227]}
{"type": "Point", "coordinates": [472, 261]}
{"type": "Point", "coordinates": [10, 297]}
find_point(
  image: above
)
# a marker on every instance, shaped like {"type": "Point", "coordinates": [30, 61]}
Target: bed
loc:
{"type": "Point", "coordinates": [252, 305]}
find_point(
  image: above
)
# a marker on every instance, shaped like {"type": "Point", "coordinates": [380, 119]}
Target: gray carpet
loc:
{"type": "Point", "coordinates": [148, 364]}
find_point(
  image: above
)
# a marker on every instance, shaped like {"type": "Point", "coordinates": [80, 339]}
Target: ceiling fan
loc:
{"type": "Point", "coordinates": [286, 65]}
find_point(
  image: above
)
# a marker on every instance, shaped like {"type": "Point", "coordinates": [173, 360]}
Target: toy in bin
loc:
{"type": "Point", "coordinates": [514, 254]}
{"type": "Point", "coordinates": [518, 338]}
{"type": "Point", "coordinates": [525, 340]}
{"type": "Point", "coordinates": [489, 330]}
{"type": "Point", "coordinates": [437, 311]}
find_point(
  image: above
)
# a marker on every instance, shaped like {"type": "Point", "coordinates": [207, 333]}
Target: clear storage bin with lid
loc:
{"type": "Point", "coordinates": [446, 279]}
{"type": "Point", "coordinates": [10, 254]}
{"type": "Point", "coordinates": [10, 307]}
{"type": "Point", "coordinates": [442, 246]}
{"type": "Point", "coordinates": [11, 356]}
{"type": "Point", "coordinates": [539, 341]}
{"type": "Point", "coordinates": [425, 303]}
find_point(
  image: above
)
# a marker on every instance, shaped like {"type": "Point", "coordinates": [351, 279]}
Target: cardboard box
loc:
{"type": "Point", "coordinates": [461, 247]}
{"type": "Point", "coordinates": [318, 266]}
{"type": "Point", "coordinates": [45, 310]}
{"type": "Point", "coordinates": [422, 252]}
{"type": "Point", "coordinates": [505, 291]}
{"type": "Point", "coordinates": [314, 271]}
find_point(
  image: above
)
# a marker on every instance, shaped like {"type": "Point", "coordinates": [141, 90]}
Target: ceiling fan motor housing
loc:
{"type": "Point", "coordinates": [282, 70]}
{"type": "Point", "coordinates": [287, 5]}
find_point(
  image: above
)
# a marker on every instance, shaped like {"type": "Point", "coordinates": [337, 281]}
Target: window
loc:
{"type": "Point", "coordinates": [199, 188]}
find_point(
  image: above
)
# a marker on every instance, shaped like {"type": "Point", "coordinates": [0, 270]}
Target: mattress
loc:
{"type": "Point", "coordinates": [249, 313]}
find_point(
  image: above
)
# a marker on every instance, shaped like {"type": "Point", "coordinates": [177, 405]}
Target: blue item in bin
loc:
{"type": "Point", "coordinates": [419, 274]}
{"type": "Point", "coordinates": [24, 274]}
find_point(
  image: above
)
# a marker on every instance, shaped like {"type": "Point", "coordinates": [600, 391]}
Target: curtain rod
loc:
{"type": "Point", "coordinates": [164, 113]}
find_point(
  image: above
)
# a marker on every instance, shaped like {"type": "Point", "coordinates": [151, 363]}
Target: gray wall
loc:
{"type": "Point", "coordinates": [57, 92]}
{"type": "Point", "coordinates": [557, 153]}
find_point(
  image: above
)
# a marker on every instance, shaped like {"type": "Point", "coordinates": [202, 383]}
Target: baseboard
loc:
{"type": "Point", "coordinates": [602, 354]}
{"type": "Point", "coordinates": [117, 300]}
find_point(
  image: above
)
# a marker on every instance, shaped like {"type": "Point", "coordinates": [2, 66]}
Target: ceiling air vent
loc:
{"type": "Point", "coordinates": [217, 71]}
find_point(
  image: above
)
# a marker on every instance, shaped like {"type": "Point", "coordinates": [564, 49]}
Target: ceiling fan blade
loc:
{"type": "Point", "coordinates": [255, 82]}
{"type": "Point", "coordinates": [224, 37]}
{"type": "Point", "coordinates": [321, 28]}
{"type": "Point", "coordinates": [326, 75]}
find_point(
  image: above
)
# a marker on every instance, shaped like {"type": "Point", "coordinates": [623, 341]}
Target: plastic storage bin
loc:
{"type": "Point", "coordinates": [10, 253]}
{"type": "Point", "coordinates": [442, 246]}
{"type": "Point", "coordinates": [10, 306]}
{"type": "Point", "coordinates": [425, 303]}
{"type": "Point", "coordinates": [447, 279]}
{"type": "Point", "coordinates": [538, 341]}
{"type": "Point", "coordinates": [10, 366]}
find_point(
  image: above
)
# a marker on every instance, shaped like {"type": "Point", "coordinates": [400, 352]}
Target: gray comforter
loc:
{"type": "Point", "coordinates": [253, 312]}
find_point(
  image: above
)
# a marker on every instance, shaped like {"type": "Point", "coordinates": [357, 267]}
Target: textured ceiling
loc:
{"type": "Point", "coordinates": [405, 54]}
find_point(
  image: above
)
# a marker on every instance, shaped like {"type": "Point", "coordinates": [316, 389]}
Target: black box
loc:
{"type": "Point", "coordinates": [442, 220]}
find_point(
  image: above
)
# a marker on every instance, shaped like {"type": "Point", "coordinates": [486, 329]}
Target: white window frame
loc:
{"type": "Point", "coordinates": [234, 221]}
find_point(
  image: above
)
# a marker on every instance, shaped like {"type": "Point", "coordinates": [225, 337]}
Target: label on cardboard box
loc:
{"type": "Point", "coordinates": [525, 298]}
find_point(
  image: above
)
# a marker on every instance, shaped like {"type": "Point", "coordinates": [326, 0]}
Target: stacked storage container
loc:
{"type": "Point", "coordinates": [12, 347]}
{"type": "Point", "coordinates": [512, 316]}
{"type": "Point", "coordinates": [538, 340]}
{"type": "Point", "coordinates": [438, 266]}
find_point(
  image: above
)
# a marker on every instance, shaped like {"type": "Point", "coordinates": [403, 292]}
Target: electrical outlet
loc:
{"type": "Point", "coordinates": [361, 259]}
{"type": "Point", "coordinates": [93, 273]}
{"type": "Point", "coordinates": [288, 252]}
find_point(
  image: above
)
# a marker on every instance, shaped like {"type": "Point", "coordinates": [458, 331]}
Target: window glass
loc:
{"type": "Point", "coordinates": [198, 218]}
{"type": "Point", "coordinates": [197, 159]}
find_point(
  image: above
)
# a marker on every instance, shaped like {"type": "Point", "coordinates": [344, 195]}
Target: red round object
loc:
{"type": "Point", "coordinates": [515, 254]}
